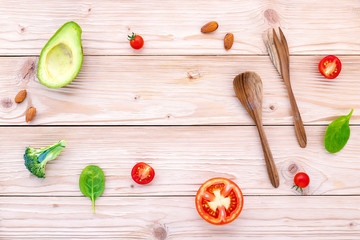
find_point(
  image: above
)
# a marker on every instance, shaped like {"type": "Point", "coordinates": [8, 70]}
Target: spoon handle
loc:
{"type": "Point", "coordinates": [298, 123]}
{"type": "Point", "coordinates": [270, 164]}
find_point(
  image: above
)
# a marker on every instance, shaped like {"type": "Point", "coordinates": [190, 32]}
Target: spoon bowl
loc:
{"type": "Point", "coordinates": [251, 100]}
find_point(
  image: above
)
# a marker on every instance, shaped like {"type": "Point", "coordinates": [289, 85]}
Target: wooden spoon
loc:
{"type": "Point", "coordinates": [248, 88]}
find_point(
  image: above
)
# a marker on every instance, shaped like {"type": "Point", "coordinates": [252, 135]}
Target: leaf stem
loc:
{"type": "Point", "coordinates": [93, 204]}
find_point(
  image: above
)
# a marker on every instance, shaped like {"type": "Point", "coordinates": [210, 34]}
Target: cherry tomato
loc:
{"type": "Point", "coordinates": [142, 173]}
{"type": "Point", "coordinates": [136, 41]}
{"type": "Point", "coordinates": [330, 66]}
{"type": "Point", "coordinates": [301, 180]}
{"type": "Point", "coordinates": [219, 201]}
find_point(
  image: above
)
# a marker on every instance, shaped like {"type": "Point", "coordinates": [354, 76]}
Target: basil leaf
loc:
{"type": "Point", "coordinates": [92, 183]}
{"type": "Point", "coordinates": [337, 133]}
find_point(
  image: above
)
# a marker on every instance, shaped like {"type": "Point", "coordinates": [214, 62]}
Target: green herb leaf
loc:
{"type": "Point", "coordinates": [337, 133]}
{"type": "Point", "coordinates": [92, 183]}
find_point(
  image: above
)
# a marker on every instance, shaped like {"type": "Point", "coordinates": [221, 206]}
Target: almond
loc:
{"type": "Point", "coordinates": [19, 98]}
{"type": "Point", "coordinates": [228, 41]}
{"type": "Point", "coordinates": [30, 114]}
{"type": "Point", "coordinates": [209, 27]}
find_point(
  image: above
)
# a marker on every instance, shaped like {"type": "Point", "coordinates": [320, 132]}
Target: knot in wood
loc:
{"type": "Point", "coordinates": [160, 233]}
{"type": "Point", "coordinates": [21, 29]}
{"type": "Point", "coordinates": [6, 102]}
{"type": "Point", "coordinates": [272, 16]}
{"type": "Point", "coordinates": [193, 75]}
{"type": "Point", "coordinates": [293, 168]}
{"type": "Point", "coordinates": [28, 70]}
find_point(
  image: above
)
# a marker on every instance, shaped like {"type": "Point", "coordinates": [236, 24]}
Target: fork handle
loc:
{"type": "Point", "coordinates": [298, 123]}
{"type": "Point", "coordinates": [283, 56]}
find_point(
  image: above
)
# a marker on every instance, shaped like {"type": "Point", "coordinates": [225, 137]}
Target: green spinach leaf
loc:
{"type": "Point", "coordinates": [337, 133]}
{"type": "Point", "coordinates": [92, 183]}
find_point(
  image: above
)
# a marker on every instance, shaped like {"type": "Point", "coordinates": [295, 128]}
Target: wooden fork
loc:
{"type": "Point", "coordinates": [279, 54]}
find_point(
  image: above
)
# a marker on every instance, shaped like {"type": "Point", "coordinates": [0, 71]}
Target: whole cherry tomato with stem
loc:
{"type": "Point", "coordinates": [301, 180]}
{"type": "Point", "coordinates": [136, 41]}
{"type": "Point", "coordinates": [330, 66]}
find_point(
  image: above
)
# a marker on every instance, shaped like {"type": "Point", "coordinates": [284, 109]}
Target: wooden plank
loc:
{"type": "Point", "coordinates": [176, 90]}
{"type": "Point", "coordinates": [162, 218]}
{"type": "Point", "coordinates": [183, 157]}
{"type": "Point", "coordinates": [173, 27]}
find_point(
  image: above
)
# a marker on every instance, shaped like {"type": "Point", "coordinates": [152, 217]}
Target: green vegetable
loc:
{"type": "Point", "coordinates": [36, 159]}
{"type": "Point", "coordinates": [337, 133]}
{"type": "Point", "coordinates": [92, 183]}
{"type": "Point", "coordinates": [62, 57]}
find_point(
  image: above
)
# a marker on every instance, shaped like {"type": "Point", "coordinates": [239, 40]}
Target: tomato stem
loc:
{"type": "Point", "coordinates": [297, 188]}
{"type": "Point", "coordinates": [132, 37]}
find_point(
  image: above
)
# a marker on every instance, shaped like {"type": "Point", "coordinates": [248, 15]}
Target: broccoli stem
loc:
{"type": "Point", "coordinates": [52, 152]}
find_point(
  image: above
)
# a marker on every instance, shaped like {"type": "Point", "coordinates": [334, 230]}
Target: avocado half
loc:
{"type": "Point", "coordinates": [61, 59]}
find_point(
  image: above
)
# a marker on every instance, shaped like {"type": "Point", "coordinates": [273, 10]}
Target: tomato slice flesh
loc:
{"type": "Point", "coordinates": [142, 173]}
{"type": "Point", "coordinates": [219, 201]}
{"type": "Point", "coordinates": [330, 66]}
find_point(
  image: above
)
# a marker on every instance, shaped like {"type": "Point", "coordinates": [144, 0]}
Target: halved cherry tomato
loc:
{"type": "Point", "coordinates": [219, 201]}
{"type": "Point", "coordinates": [142, 173]}
{"type": "Point", "coordinates": [330, 66]}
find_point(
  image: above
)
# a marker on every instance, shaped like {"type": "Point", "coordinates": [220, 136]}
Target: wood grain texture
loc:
{"type": "Point", "coordinates": [171, 90]}
{"type": "Point", "coordinates": [183, 158]}
{"type": "Point", "coordinates": [163, 218]}
{"type": "Point", "coordinates": [173, 27]}
{"type": "Point", "coordinates": [121, 86]}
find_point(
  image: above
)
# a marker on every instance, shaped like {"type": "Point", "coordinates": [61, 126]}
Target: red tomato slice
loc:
{"type": "Point", "coordinates": [142, 173]}
{"type": "Point", "coordinates": [330, 66]}
{"type": "Point", "coordinates": [219, 201]}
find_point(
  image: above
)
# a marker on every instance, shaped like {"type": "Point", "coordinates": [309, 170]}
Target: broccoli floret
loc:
{"type": "Point", "coordinates": [36, 159]}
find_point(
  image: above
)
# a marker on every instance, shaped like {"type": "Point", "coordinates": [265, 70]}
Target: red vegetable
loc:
{"type": "Point", "coordinates": [136, 41]}
{"type": "Point", "coordinates": [301, 180]}
{"type": "Point", "coordinates": [219, 201]}
{"type": "Point", "coordinates": [330, 66]}
{"type": "Point", "coordinates": [142, 173]}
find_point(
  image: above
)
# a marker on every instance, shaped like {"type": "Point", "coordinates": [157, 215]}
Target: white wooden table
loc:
{"type": "Point", "coordinates": [172, 105]}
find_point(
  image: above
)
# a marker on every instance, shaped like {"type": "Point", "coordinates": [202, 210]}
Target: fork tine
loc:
{"type": "Point", "coordinates": [281, 52]}
{"type": "Point", "coordinates": [273, 52]}
{"type": "Point", "coordinates": [284, 42]}
{"type": "Point", "coordinates": [268, 43]}
{"type": "Point", "coordinates": [276, 41]}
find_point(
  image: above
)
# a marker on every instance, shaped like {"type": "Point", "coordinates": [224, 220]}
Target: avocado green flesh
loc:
{"type": "Point", "coordinates": [61, 59]}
